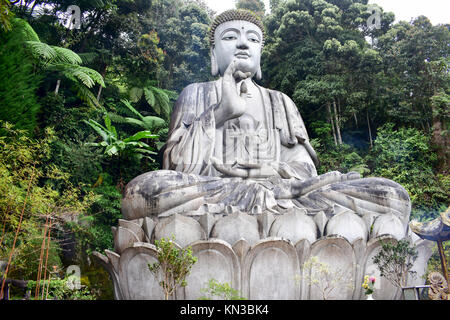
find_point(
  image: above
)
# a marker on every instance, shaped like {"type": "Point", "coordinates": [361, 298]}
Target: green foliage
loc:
{"type": "Point", "coordinates": [104, 212]}
{"type": "Point", "coordinates": [5, 15]}
{"type": "Point", "coordinates": [174, 264]}
{"type": "Point", "coordinates": [28, 196]}
{"type": "Point", "coordinates": [405, 156]}
{"type": "Point", "coordinates": [395, 261]}
{"type": "Point", "coordinates": [19, 103]}
{"type": "Point", "coordinates": [435, 264]}
{"type": "Point", "coordinates": [256, 6]}
{"type": "Point", "coordinates": [116, 147]}
{"type": "Point", "coordinates": [60, 289]}
{"type": "Point", "coordinates": [220, 291]}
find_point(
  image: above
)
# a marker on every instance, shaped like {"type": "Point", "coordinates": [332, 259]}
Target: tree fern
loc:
{"type": "Point", "coordinates": [41, 52]}
{"type": "Point", "coordinates": [86, 95]}
{"type": "Point", "coordinates": [151, 99]}
{"type": "Point", "coordinates": [136, 94]}
{"type": "Point", "coordinates": [23, 30]}
{"type": "Point", "coordinates": [61, 60]}
{"type": "Point", "coordinates": [67, 56]}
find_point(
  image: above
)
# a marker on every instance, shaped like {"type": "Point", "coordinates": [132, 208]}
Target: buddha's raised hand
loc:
{"type": "Point", "coordinates": [232, 104]}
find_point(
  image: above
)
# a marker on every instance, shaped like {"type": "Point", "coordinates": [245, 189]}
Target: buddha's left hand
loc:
{"type": "Point", "coordinates": [245, 170]}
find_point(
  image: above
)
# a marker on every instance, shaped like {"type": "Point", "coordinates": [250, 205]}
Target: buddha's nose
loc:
{"type": "Point", "coordinates": [242, 42]}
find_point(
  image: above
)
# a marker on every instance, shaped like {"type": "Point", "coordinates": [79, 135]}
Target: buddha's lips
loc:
{"type": "Point", "coordinates": [242, 55]}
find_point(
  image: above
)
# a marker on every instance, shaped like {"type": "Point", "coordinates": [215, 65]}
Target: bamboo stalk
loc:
{"type": "Point", "coordinates": [38, 280]}
{"type": "Point", "coordinates": [4, 223]}
{"type": "Point", "coordinates": [46, 256]}
{"type": "Point", "coordinates": [18, 230]}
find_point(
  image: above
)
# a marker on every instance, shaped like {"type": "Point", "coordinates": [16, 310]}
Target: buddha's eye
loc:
{"type": "Point", "coordinates": [229, 37]}
{"type": "Point", "coordinates": [253, 39]}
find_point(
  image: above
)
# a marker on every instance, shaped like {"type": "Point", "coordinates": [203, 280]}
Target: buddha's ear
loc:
{"type": "Point", "coordinates": [259, 73]}
{"type": "Point", "coordinates": [214, 65]}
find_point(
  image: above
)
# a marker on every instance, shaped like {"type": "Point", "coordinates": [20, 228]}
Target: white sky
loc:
{"type": "Point", "coordinates": [438, 11]}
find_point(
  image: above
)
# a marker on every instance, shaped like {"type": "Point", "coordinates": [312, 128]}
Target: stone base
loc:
{"type": "Point", "coordinates": [260, 256]}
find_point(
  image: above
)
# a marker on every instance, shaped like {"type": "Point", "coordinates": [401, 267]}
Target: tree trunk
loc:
{"type": "Point", "coordinates": [336, 119]}
{"type": "Point", "coordinates": [370, 131]}
{"type": "Point", "coordinates": [441, 142]}
{"type": "Point", "coordinates": [330, 119]}
{"type": "Point", "coordinates": [58, 83]}
{"type": "Point", "coordinates": [100, 89]}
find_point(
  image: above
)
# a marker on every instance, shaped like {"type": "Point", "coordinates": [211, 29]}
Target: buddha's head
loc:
{"type": "Point", "coordinates": [236, 34]}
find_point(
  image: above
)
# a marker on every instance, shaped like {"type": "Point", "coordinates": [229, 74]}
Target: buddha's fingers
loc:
{"type": "Point", "coordinates": [297, 188]}
{"type": "Point", "coordinates": [228, 171]}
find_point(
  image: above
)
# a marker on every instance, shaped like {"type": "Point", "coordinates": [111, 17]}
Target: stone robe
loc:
{"type": "Point", "coordinates": [190, 184]}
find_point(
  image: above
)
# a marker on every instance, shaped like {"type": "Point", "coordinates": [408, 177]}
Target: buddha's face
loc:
{"type": "Point", "coordinates": [240, 40]}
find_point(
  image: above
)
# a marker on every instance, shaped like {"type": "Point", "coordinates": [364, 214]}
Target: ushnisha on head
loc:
{"type": "Point", "coordinates": [236, 35]}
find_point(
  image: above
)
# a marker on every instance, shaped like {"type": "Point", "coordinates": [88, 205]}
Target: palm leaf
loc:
{"type": "Point", "coordinates": [141, 135]}
{"type": "Point", "coordinates": [130, 107]}
{"type": "Point", "coordinates": [152, 122]}
{"type": "Point", "coordinates": [102, 132]}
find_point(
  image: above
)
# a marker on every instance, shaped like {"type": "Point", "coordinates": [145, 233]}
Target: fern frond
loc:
{"type": "Point", "coordinates": [24, 29]}
{"type": "Point", "coordinates": [87, 96]}
{"type": "Point", "coordinates": [66, 56]}
{"type": "Point", "coordinates": [88, 57]}
{"type": "Point", "coordinates": [95, 76]}
{"type": "Point", "coordinates": [163, 101]}
{"type": "Point", "coordinates": [135, 94]}
{"type": "Point", "coordinates": [117, 118]}
{"type": "Point", "coordinates": [150, 98]}
{"type": "Point", "coordinates": [41, 52]}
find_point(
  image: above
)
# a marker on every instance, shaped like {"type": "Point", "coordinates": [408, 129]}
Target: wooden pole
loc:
{"type": "Point", "coordinates": [443, 260]}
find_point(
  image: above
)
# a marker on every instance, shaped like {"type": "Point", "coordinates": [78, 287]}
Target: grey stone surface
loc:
{"type": "Point", "coordinates": [338, 254]}
{"type": "Point", "coordinates": [216, 260]}
{"type": "Point", "coordinates": [185, 230]}
{"type": "Point", "coordinates": [388, 224]}
{"type": "Point", "coordinates": [294, 226]}
{"type": "Point", "coordinates": [238, 166]}
{"type": "Point", "coordinates": [269, 271]}
{"type": "Point", "coordinates": [235, 227]}
{"type": "Point", "coordinates": [348, 225]}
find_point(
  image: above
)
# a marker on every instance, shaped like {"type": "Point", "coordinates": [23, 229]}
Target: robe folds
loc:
{"type": "Point", "coordinates": [189, 183]}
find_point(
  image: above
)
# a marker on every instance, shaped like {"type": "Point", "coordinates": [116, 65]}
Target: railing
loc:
{"type": "Point", "coordinates": [416, 293]}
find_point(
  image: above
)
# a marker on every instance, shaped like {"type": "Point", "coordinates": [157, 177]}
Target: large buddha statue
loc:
{"type": "Point", "coordinates": [236, 146]}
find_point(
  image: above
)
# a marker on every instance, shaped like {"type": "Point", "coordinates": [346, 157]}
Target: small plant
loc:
{"type": "Point", "coordinates": [60, 289]}
{"type": "Point", "coordinates": [174, 263]}
{"type": "Point", "coordinates": [395, 261]}
{"type": "Point", "coordinates": [223, 291]}
{"type": "Point", "coordinates": [368, 284]}
{"type": "Point", "coordinates": [325, 278]}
